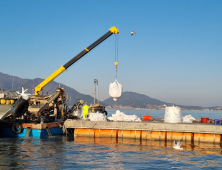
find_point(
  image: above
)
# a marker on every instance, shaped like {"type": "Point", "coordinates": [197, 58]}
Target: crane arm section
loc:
{"type": "Point", "coordinates": [112, 30]}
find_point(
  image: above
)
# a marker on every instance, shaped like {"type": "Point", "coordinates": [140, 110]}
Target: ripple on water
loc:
{"type": "Point", "coordinates": [105, 153]}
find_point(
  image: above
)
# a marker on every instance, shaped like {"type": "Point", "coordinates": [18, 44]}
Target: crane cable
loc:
{"type": "Point", "coordinates": [116, 52]}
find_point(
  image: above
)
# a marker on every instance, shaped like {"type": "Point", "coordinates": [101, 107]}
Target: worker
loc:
{"type": "Point", "coordinates": [85, 110]}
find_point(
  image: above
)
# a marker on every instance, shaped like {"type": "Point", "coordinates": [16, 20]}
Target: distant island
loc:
{"type": "Point", "coordinates": [128, 100]}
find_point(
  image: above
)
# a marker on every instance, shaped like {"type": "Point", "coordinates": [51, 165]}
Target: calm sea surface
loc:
{"type": "Point", "coordinates": [62, 152]}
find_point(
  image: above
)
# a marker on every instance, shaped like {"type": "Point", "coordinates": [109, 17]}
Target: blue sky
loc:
{"type": "Point", "coordinates": [175, 55]}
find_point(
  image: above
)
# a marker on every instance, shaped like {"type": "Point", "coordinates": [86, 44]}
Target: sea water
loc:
{"type": "Point", "coordinates": [60, 152]}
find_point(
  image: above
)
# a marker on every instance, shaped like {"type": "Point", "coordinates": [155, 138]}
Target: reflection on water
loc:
{"type": "Point", "coordinates": [105, 153]}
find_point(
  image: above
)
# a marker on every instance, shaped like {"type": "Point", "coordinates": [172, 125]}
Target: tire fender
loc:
{"type": "Point", "coordinates": [17, 128]}
{"type": "Point", "coordinates": [20, 107]}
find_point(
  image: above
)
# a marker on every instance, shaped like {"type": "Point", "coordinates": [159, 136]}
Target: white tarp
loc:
{"type": "Point", "coordinates": [97, 117]}
{"type": "Point", "coordinates": [120, 116]}
{"type": "Point", "coordinates": [115, 90]}
{"type": "Point", "coordinates": [188, 119]}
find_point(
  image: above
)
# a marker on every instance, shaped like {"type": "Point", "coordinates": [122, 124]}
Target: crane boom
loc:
{"type": "Point", "coordinates": [112, 30]}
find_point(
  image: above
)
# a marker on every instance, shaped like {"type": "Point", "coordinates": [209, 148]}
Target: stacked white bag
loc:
{"type": "Point", "coordinates": [115, 90]}
{"type": "Point", "coordinates": [120, 116]}
{"type": "Point", "coordinates": [97, 117]}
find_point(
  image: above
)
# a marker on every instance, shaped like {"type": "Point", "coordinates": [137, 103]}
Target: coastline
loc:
{"type": "Point", "coordinates": [131, 108]}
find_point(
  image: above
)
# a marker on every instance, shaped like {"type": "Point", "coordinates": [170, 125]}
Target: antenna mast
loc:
{"type": "Point", "coordinates": [12, 82]}
{"type": "Point", "coordinates": [96, 90]}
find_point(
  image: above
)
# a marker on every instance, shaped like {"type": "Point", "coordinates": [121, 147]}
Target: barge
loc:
{"type": "Point", "coordinates": [35, 116]}
{"type": "Point", "coordinates": [147, 130]}
{"type": "Point", "coordinates": [36, 130]}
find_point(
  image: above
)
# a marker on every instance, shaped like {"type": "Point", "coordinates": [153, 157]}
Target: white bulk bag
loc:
{"type": "Point", "coordinates": [115, 90]}
{"type": "Point", "coordinates": [172, 114]}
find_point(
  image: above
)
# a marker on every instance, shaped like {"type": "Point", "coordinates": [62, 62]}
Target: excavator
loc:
{"type": "Point", "coordinates": [53, 107]}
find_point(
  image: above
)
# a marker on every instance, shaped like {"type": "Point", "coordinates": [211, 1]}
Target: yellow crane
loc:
{"type": "Point", "coordinates": [112, 30]}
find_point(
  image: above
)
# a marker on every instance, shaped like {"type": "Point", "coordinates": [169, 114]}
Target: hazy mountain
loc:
{"type": "Point", "coordinates": [8, 83]}
{"type": "Point", "coordinates": [136, 100]}
{"type": "Point", "coordinates": [133, 99]}
{"type": "Point", "coordinates": [128, 99]}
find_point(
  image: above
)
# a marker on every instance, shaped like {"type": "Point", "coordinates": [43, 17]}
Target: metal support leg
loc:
{"type": "Point", "coordinates": [28, 132]}
{"type": "Point", "coordinates": [49, 133]}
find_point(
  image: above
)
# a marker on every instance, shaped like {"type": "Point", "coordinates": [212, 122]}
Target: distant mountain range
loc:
{"type": "Point", "coordinates": [127, 100]}
{"type": "Point", "coordinates": [6, 82]}
{"type": "Point", "coordinates": [134, 100]}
